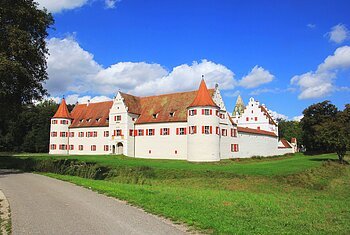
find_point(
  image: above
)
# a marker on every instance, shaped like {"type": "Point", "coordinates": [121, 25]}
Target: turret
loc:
{"type": "Point", "coordinates": [59, 131]}
{"type": "Point", "coordinates": [239, 107]}
{"type": "Point", "coordinates": [203, 139]}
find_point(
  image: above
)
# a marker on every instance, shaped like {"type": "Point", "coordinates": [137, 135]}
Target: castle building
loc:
{"type": "Point", "coordinates": [193, 126]}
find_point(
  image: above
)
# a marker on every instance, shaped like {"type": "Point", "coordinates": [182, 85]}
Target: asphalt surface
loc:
{"type": "Point", "coordinates": [42, 205]}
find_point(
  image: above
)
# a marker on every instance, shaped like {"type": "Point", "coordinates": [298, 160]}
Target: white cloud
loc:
{"type": "Point", "coordinates": [320, 83]}
{"type": "Point", "coordinates": [297, 118]}
{"type": "Point", "coordinates": [276, 115]}
{"type": "Point", "coordinates": [311, 26]}
{"type": "Point", "coordinates": [73, 69]}
{"type": "Point", "coordinates": [256, 77]}
{"type": "Point", "coordinates": [111, 3]}
{"type": "Point", "coordinates": [55, 6]}
{"type": "Point", "coordinates": [74, 98]}
{"type": "Point", "coordinates": [338, 34]}
{"type": "Point", "coordinates": [234, 94]}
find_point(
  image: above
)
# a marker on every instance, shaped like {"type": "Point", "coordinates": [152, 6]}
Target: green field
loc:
{"type": "Point", "coordinates": [291, 194]}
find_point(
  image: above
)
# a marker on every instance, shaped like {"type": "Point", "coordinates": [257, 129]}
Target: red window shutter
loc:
{"type": "Point", "coordinates": [135, 132]}
{"type": "Point", "coordinates": [256, 118]}
{"type": "Point", "coordinates": [161, 131]}
{"type": "Point", "coordinates": [115, 118]}
{"type": "Point", "coordinates": [202, 111]}
{"type": "Point", "coordinates": [168, 131]}
{"type": "Point", "coordinates": [195, 129]}
{"type": "Point", "coordinates": [146, 131]}
{"type": "Point", "coordinates": [177, 131]}
{"type": "Point", "coordinates": [195, 112]}
{"type": "Point", "coordinates": [185, 129]}
{"type": "Point", "coordinates": [247, 119]}
{"type": "Point", "coordinates": [211, 129]}
{"type": "Point", "coordinates": [121, 133]}
{"type": "Point", "coordinates": [237, 148]}
{"type": "Point", "coordinates": [154, 131]}
{"type": "Point", "coordinates": [202, 129]}
{"type": "Point", "coordinates": [211, 112]}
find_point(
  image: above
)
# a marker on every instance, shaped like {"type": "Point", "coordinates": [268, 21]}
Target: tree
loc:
{"type": "Point", "coordinates": [325, 129]}
{"type": "Point", "coordinates": [23, 29]}
{"type": "Point", "coordinates": [311, 124]}
{"type": "Point", "coordinates": [289, 130]}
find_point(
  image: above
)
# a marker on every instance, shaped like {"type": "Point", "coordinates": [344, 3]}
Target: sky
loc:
{"type": "Point", "coordinates": [286, 54]}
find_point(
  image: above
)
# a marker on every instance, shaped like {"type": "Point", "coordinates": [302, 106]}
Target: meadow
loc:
{"type": "Point", "coordinates": [293, 194]}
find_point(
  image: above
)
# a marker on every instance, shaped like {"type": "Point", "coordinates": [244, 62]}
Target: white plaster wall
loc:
{"type": "Point", "coordinates": [161, 146]}
{"type": "Point", "coordinates": [251, 111]}
{"type": "Point", "coordinates": [203, 147]}
{"type": "Point", "coordinates": [59, 140]}
{"type": "Point", "coordinates": [125, 124]}
{"type": "Point", "coordinates": [226, 141]}
{"type": "Point", "coordinates": [256, 145]}
{"type": "Point", "coordinates": [99, 141]}
{"type": "Point", "coordinates": [282, 151]}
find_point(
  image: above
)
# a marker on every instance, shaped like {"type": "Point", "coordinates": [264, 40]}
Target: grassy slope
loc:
{"type": "Point", "coordinates": [265, 167]}
{"type": "Point", "coordinates": [294, 195]}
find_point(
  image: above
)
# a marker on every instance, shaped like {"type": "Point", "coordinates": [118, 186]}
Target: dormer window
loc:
{"type": "Point", "coordinates": [107, 119]}
{"type": "Point", "coordinates": [171, 114]}
{"type": "Point", "coordinates": [155, 115]}
{"type": "Point", "coordinates": [88, 120]}
{"type": "Point", "coordinates": [98, 119]}
{"type": "Point", "coordinates": [81, 120]}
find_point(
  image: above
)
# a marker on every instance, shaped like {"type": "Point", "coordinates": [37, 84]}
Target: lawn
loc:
{"type": "Point", "coordinates": [291, 195]}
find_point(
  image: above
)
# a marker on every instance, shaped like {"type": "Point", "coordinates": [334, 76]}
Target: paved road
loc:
{"type": "Point", "coordinates": [42, 205]}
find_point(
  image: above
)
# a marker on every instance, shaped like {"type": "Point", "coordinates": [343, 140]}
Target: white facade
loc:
{"type": "Point", "coordinates": [256, 116]}
{"type": "Point", "coordinates": [207, 134]}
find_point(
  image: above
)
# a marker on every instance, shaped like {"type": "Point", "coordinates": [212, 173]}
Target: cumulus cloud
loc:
{"type": "Point", "coordinates": [256, 77]}
{"type": "Point", "coordinates": [297, 118]}
{"type": "Point", "coordinates": [320, 83]}
{"type": "Point", "coordinates": [276, 115]}
{"type": "Point", "coordinates": [74, 98]}
{"type": "Point", "coordinates": [338, 34]}
{"type": "Point", "coordinates": [311, 26]}
{"type": "Point", "coordinates": [56, 6]}
{"type": "Point", "coordinates": [73, 69]}
{"type": "Point", "coordinates": [111, 3]}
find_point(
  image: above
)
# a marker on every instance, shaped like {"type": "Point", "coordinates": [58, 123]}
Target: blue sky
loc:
{"type": "Point", "coordinates": [148, 47]}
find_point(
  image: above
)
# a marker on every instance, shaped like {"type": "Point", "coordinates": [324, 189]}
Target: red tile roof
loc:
{"type": "Point", "coordinates": [203, 98]}
{"type": "Point", "coordinates": [62, 111]}
{"type": "Point", "coordinates": [285, 144]}
{"type": "Point", "coordinates": [271, 120]}
{"type": "Point", "coordinates": [92, 115]}
{"type": "Point", "coordinates": [256, 131]}
{"type": "Point", "coordinates": [96, 114]}
{"type": "Point", "coordinates": [154, 109]}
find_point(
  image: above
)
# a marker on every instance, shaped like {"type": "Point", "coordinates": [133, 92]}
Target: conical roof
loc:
{"type": "Point", "coordinates": [203, 97]}
{"type": "Point", "coordinates": [62, 111]}
{"type": "Point", "coordinates": [239, 107]}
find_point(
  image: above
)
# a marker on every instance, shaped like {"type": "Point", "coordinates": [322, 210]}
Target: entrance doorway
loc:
{"type": "Point", "coordinates": [120, 148]}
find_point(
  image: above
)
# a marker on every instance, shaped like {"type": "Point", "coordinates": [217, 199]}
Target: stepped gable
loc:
{"type": "Point", "coordinates": [271, 120]}
{"type": "Point", "coordinates": [159, 108]}
{"type": "Point", "coordinates": [256, 131]}
{"type": "Point", "coordinates": [203, 97]}
{"type": "Point", "coordinates": [62, 111]}
{"type": "Point", "coordinates": [91, 115]}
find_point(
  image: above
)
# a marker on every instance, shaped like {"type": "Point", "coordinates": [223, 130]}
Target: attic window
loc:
{"type": "Point", "coordinates": [171, 114]}
{"type": "Point", "coordinates": [81, 120]}
{"type": "Point", "coordinates": [98, 119]}
{"type": "Point", "coordinates": [88, 120]}
{"type": "Point", "coordinates": [107, 119]}
{"type": "Point", "coordinates": [155, 115]}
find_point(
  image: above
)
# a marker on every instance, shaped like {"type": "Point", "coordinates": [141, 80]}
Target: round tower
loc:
{"type": "Point", "coordinates": [203, 139]}
{"type": "Point", "coordinates": [59, 130]}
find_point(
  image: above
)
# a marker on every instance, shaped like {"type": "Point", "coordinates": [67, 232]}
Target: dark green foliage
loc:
{"type": "Point", "coordinates": [325, 129]}
{"type": "Point", "coordinates": [23, 30]}
{"type": "Point", "coordinates": [289, 130]}
{"type": "Point", "coordinates": [31, 131]}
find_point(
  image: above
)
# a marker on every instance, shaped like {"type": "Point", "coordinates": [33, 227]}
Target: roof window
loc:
{"type": "Point", "coordinates": [88, 120]}
{"type": "Point", "coordinates": [171, 114]}
{"type": "Point", "coordinates": [155, 115]}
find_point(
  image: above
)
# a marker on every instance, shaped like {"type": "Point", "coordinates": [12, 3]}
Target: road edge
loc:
{"type": "Point", "coordinates": [5, 214]}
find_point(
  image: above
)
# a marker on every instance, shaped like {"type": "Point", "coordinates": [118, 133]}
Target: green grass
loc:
{"type": "Point", "coordinates": [284, 195]}
{"type": "Point", "coordinates": [265, 167]}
